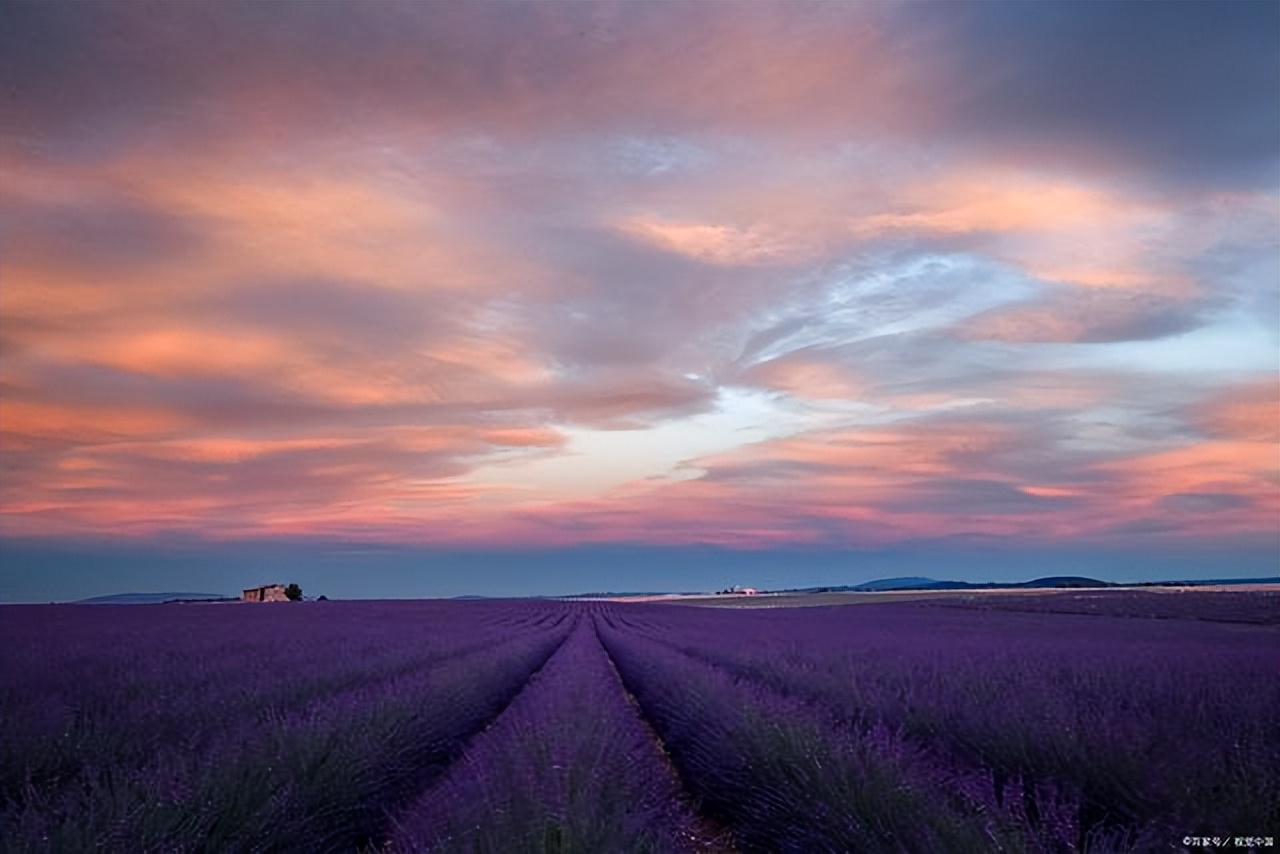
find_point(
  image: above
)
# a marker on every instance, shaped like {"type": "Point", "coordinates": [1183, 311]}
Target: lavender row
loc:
{"type": "Point", "coordinates": [784, 779]}
{"type": "Point", "coordinates": [1162, 728]}
{"type": "Point", "coordinates": [568, 767]}
{"type": "Point", "coordinates": [315, 778]}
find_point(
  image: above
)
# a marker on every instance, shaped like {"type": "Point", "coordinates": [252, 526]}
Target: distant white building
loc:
{"type": "Point", "coordinates": [737, 591]}
{"type": "Point", "coordinates": [265, 593]}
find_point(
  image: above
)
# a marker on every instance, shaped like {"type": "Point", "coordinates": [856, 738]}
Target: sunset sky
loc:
{"type": "Point", "coordinates": [417, 299]}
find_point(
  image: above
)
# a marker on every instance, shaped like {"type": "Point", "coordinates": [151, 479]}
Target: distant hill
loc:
{"type": "Point", "coordinates": [1064, 581]}
{"type": "Point", "coordinates": [909, 583]}
{"type": "Point", "coordinates": [929, 584]}
{"type": "Point", "coordinates": [883, 585]}
{"type": "Point", "coordinates": [1047, 582]}
{"type": "Point", "coordinates": [151, 598]}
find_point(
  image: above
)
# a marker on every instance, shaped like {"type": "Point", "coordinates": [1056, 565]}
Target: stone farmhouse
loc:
{"type": "Point", "coordinates": [265, 593]}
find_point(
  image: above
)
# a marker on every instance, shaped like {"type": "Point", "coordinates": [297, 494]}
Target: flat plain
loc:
{"type": "Point", "coordinates": [1072, 721]}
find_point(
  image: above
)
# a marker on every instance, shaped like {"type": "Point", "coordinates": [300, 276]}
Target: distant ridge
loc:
{"type": "Point", "coordinates": [909, 583]}
{"type": "Point", "coordinates": [151, 598]}
{"type": "Point", "coordinates": [1065, 581]}
{"type": "Point", "coordinates": [881, 585]}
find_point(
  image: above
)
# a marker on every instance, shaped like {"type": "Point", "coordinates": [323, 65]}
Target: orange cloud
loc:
{"type": "Point", "coordinates": [231, 450]}
{"type": "Point", "coordinates": [727, 245]}
{"type": "Point", "coordinates": [806, 378]}
{"type": "Point", "coordinates": [1057, 229]}
{"type": "Point", "coordinates": [1000, 202]}
{"type": "Point", "coordinates": [522, 437]}
{"type": "Point", "coordinates": [184, 352]}
{"type": "Point", "coordinates": [1245, 412]}
{"type": "Point", "coordinates": [32, 423]}
{"type": "Point", "coordinates": [1214, 466]}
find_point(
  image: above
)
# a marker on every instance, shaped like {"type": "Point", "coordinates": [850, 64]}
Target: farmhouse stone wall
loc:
{"type": "Point", "coordinates": [266, 593]}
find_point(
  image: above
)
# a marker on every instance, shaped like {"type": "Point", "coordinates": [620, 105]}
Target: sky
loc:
{"type": "Point", "coordinates": [423, 299]}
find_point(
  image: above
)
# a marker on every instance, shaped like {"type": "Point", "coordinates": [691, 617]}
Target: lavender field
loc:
{"type": "Point", "coordinates": [540, 726]}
